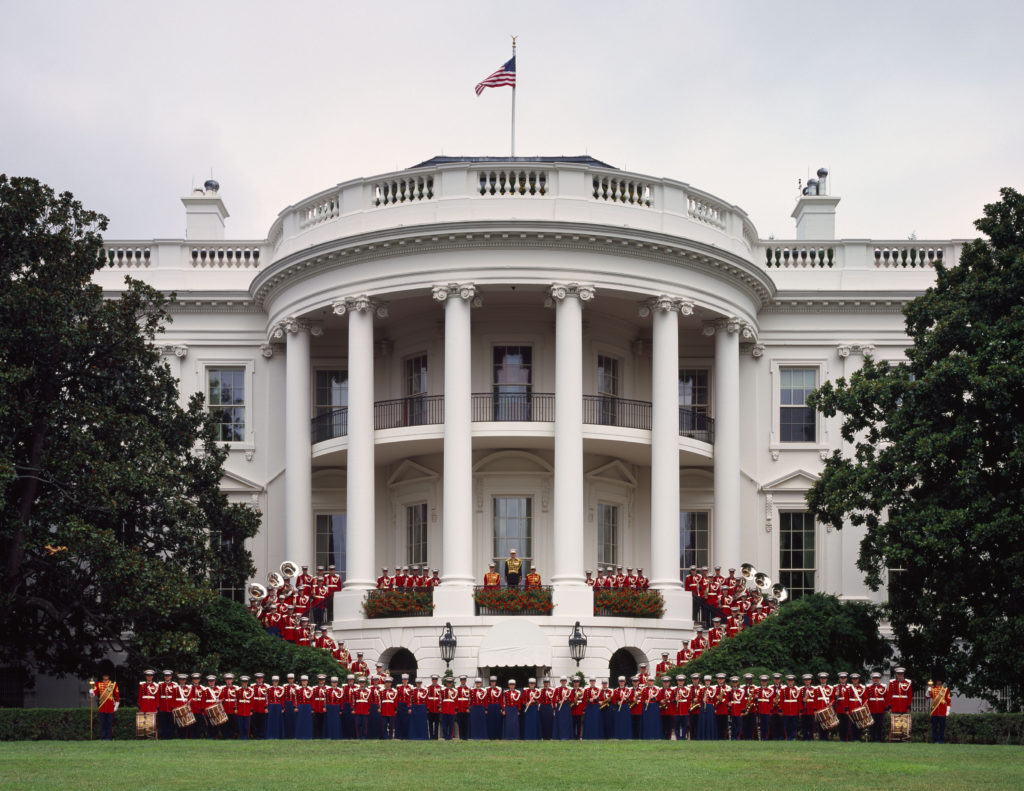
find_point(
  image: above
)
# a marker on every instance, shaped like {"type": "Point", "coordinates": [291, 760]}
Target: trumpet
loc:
{"type": "Point", "coordinates": [289, 569]}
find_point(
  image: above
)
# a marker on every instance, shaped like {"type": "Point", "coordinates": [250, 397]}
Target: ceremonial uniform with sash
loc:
{"type": "Point", "coordinates": [790, 705]}
{"type": "Point", "coordinates": [418, 728]}
{"type": "Point", "coordinates": [448, 706]}
{"type": "Point", "coordinates": [167, 702]}
{"type": "Point", "coordinates": [108, 698]}
{"type": "Point", "coordinates": [462, 708]}
{"type": "Point", "coordinates": [304, 709]}
{"type": "Point", "coordinates": [243, 708]}
{"type": "Point", "coordinates": [592, 725]}
{"type": "Point", "coordinates": [494, 722]}
{"type": "Point", "coordinates": [259, 707]}
{"type": "Point", "coordinates": [938, 695]}
{"type": "Point", "coordinates": [335, 696]}
{"type": "Point", "coordinates": [622, 700]}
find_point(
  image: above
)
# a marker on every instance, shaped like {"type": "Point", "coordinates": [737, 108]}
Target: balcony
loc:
{"type": "Point", "coordinates": [628, 603]}
{"type": "Point", "coordinates": [694, 422]}
{"type": "Point", "coordinates": [410, 603]}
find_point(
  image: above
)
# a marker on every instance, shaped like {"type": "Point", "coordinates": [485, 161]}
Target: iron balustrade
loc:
{"type": "Point", "coordinates": [601, 410]}
{"type": "Point", "coordinates": [695, 424]}
{"type": "Point", "coordinates": [409, 411]}
{"type": "Point", "coordinates": [330, 425]}
{"type": "Point", "coordinates": [522, 407]}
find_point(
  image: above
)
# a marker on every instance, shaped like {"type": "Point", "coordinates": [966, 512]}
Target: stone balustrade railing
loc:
{"type": "Point", "coordinates": [234, 255]}
{"type": "Point", "coordinates": [857, 254]}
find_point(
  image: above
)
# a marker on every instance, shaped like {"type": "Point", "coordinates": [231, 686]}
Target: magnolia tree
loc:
{"type": "Point", "coordinates": [936, 476]}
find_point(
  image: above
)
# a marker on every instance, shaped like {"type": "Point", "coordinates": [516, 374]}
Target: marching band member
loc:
{"type": "Point", "coordinates": [938, 694]}
{"type": "Point", "coordinates": [228, 696]}
{"type": "Point", "coordinates": [666, 697]}
{"type": "Point", "coordinates": [823, 694]}
{"type": "Point", "coordinates": [402, 703]}
{"type": "Point", "coordinates": [563, 710]}
{"type": "Point", "coordinates": [359, 667]}
{"type": "Point", "coordinates": [682, 698]}
{"type": "Point", "coordinates": [707, 724]}
{"type": "Point", "coordinates": [243, 708]}
{"type": "Point", "coordinates": [492, 579]}
{"type": "Point", "coordinates": [590, 581]}
{"type": "Point", "coordinates": [167, 702]}
{"type": "Point", "coordinates": [462, 708]}
{"type": "Point", "coordinates": [750, 715]}
{"type": "Point", "coordinates": [715, 633]}
{"type": "Point", "coordinates": [304, 580]}
{"type": "Point", "coordinates": [109, 696]}
{"type": "Point", "coordinates": [148, 694]}
{"type": "Point", "coordinates": [259, 707]}
{"type": "Point", "coordinates": [533, 580]}
{"type": "Point", "coordinates": [661, 668]}
{"type": "Point", "coordinates": [636, 710]}
{"type": "Point", "coordinates": [650, 727]}
{"type": "Point", "coordinates": [721, 706]}
{"type": "Point", "coordinates": [699, 643]}
{"type": "Point", "coordinates": [691, 586]}
{"type": "Point", "coordinates": [275, 709]}
{"type": "Point", "coordinates": [478, 711]}
{"type": "Point", "coordinates": [578, 706]}
{"type": "Point", "coordinates": [511, 700]}
{"type": "Point", "coordinates": [607, 711]}
{"type": "Point", "coordinates": [790, 705]}
{"type": "Point", "coordinates": [530, 720]}
{"type": "Point", "coordinates": [384, 581]}
{"type": "Point", "coordinates": [807, 708]}
{"type": "Point", "coordinates": [737, 707]}
{"type": "Point", "coordinates": [332, 710]}
{"type": "Point", "coordinates": [434, 706]}
{"type": "Point", "coordinates": [622, 699]}
{"type": "Point", "coordinates": [418, 728]}
{"type": "Point", "coordinates": [290, 699]}
{"type": "Point", "coordinates": [194, 695]}
{"type": "Point", "coordinates": [877, 703]}
{"type": "Point", "coordinates": [841, 696]}
{"type": "Point", "coordinates": [776, 725]}
{"type": "Point", "coordinates": [304, 709]}
{"type": "Point", "coordinates": [765, 697]}
{"type": "Point", "coordinates": [361, 700]}
{"type": "Point", "coordinates": [210, 698]}
{"type": "Point", "coordinates": [592, 725]}
{"type": "Point", "coordinates": [696, 695]}
{"type": "Point", "coordinates": [448, 705]}
{"type": "Point", "coordinates": [898, 696]}
{"type": "Point", "coordinates": [684, 655]}
{"type": "Point", "coordinates": [319, 706]}
{"type": "Point", "coordinates": [547, 710]}
{"type": "Point", "coordinates": [494, 696]}
{"type": "Point", "coordinates": [348, 717]}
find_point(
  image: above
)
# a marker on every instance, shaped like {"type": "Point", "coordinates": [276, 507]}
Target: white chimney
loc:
{"type": "Point", "coordinates": [205, 213]}
{"type": "Point", "coordinates": [815, 211]}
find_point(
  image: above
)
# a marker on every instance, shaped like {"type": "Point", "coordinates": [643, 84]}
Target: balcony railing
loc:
{"type": "Point", "coordinates": [513, 601]}
{"type": "Point", "coordinates": [601, 410]}
{"type": "Point", "coordinates": [628, 603]}
{"type": "Point", "coordinates": [513, 408]}
{"type": "Point", "coordinates": [330, 425]}
{"type": "Point", "coordinates": [406, 603]}
{"type": "Point", "coordinates": [410, 411]}
{"type": "Point", "coordinates": [522, 407]}
{"type": "Point", "coordinates": [695, 424]}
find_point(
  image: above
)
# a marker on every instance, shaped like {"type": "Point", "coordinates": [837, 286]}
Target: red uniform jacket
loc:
{"type": "Point", "coordinates": [419, 696]}
{"type": "Point", "coordinates": [547, 696]}
{"type": "Point", "coordinates": [228, 696]}
{"type": "Point", "coordinates": [765, 699]}
{"type": "Point", "coordinates": [275, 695]}
{"type": "Point", "coordinates": [434, 699]}
{"type": "Point", "coordinates": [148, 696]}
{"type": "Point", "coordinates": [683, 696]}
{"type": "Point", "coordinates": [898, 696]}
{"type": "Point", "coordinates": [462, 698]}
{"type": "Point", "coordinates": [511, 699]}
{"type": "Point", "coordinates": [211, 697]}
{"type": "Point", "coordinates": [388, 702]}
{"type": "Point", "coordinates": [577, 698]}
{"type": "Point", "coordinates": [304, 695]}
{"type": "Point", "coordinates": [107, 694]}
{"type": "Point", "coordinates": [940, 700]}
{"type": "Point", "coordinates": [790, 701]}
{"type": "Point", "coordinates": [737, 701]}
{"type": "Point", "coordinates": [875, 698]}
{"type": "Point", "coordinates": [493, 695]}
{"type": "Point", "coordinates": [477, 696]}
{"type": "Point", "coordinates": [320, 698]}
{"type": "Point", "coordinates": [167, 696]}
{"type": "Point", "coordinates": [244, 701]}
{"type": "Point", "coordinates": [449, 702]}
{"type": "Point", "coordinates": [622, 696]}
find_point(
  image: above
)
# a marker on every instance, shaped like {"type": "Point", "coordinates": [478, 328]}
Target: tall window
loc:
{"type": "Point", "coordinates": [607, 534]}
{"type": "Point", "coordinates": [608, 389]}
{"type": "Point", "coordinates": [226, 397]}
{"type": "Point", "coordinates": [331, 404]}
{"type": "Point", "coordinates": [416, 533]}
{"type": "Point", "coordinates": [330, 542]}
{"type": "Point", "coordinates": [693, 400]}
{"type": "Point", "coordinates": [513, 529]}
{"type": "Point", "coordinates": [226, 549]}
{"type": "Point", "coordinates": [416, 390]}
{"type": "Point", "coordinates": [796, 558]}
{"type": "Point", "coordinates": [512, 378]}
{"type": "Point", "coordinates": [797, 422]}
{"type": "Point", "coordinates": [693, 541]}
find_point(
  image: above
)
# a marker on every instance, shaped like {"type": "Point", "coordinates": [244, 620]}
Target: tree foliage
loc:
{"type": "Point", "coordinates": [109, 489]}
{"type": "Point", "coordinates": [812, 634]}
{"type": "Point", "coordinates": [937, 470]}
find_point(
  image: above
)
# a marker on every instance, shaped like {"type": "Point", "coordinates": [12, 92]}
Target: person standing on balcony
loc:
{"type": "Point", "coordinates": [513, 569]}
{"type": "Point", "coordinates": [492, 579]}
{"type": "Point", "coordinates": [533, 580]}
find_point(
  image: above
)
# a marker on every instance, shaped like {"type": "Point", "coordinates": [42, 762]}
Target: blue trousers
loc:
{"type": "Point", "coordinates": [106, 726]}
{"type": "Point", "coordinates": [939, 730]}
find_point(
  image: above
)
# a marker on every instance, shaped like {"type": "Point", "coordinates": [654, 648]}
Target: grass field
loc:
{"type": "Point", "coordinates": [441, 766]}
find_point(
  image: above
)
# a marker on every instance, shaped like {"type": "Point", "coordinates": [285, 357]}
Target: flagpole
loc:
{"type": "Point", "coordinates": [514, 100]}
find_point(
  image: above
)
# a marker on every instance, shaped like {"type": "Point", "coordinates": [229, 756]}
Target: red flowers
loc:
{"type": "Point", "coordinates": [398, 603]}
{"type": "Point", "coordinates": [629, 603]}
{"type": "Point", "coordinates": [535, 601]}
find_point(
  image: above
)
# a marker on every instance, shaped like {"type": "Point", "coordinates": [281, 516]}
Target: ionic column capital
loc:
{"type": "Point", "coordinates": [359, 303]}
{"type": "Point", "coordinates": [731, 325]}
{"type": "Point", "coordinates": [844, 350]}
{"type": "Point", "coordinates": [558, 292]}
{"type": "Point", "coordinates": [179, 350]}
{"type": "Point", "coordinates": [465, 291]}
{"type": "Point", "coordinates": [664, 304]}
{"type": "Point", "coordinates": [293, 325]}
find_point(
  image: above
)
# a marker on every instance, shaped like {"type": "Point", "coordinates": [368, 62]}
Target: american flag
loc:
{"type": "Point", "coordinates": [506, 75]}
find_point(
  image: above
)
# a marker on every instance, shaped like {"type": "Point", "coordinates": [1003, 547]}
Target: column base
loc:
{"type": "Point", "coordinates": [573, 601]}
{"type": "Point", "coordinates": [452, 600]}
{"type": "Point", "coordinates": [348, 604]}
{"type": "Point", "coordinates": [678, 604]}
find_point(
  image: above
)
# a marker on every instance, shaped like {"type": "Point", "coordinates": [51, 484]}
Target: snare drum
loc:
{"type": "Point", "coordinates": [899, 727]}
{"type": "Point", "coordinates": [215, 715]}
{"type": "Point", "coordinates": [145, 724]}
{"type": "Point", "coordinates": [183, 717]}
{"type": "Point", "coordinates": [827, 719]}
{"type": "Point", "coordinates": [862, 718]}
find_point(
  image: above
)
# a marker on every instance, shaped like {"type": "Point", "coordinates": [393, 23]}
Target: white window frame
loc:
{"type": "Point", "coordinates": [620, 513]}
{"type": "Point", "coordinates": [820, 425]}
{"type": "Point", "coordinates": [795, 507]}
{"type": "Point", "coordinates": [203, 367]}
{"type": "Point", "coordinates": [425, 505]}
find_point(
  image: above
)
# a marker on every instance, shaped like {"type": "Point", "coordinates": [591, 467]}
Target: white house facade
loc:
{"type": "Point", "coordinates": [592, 366]}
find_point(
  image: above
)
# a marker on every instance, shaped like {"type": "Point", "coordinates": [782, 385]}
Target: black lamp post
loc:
{"type": "Point", "coordinates": [447, 642]}
{"type": "Point", "coordinates": [577, 644]}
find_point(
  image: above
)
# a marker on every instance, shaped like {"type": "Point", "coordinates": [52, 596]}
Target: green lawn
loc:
{"type": "Point", "coordinates": [441, 766]}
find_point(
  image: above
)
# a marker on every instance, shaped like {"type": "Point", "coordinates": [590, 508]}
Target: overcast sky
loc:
{"type": "Point", "coordinates": [916, 107]}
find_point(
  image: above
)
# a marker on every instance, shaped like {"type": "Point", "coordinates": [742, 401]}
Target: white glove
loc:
{"type": "Point", "coordinates": [116, 706]}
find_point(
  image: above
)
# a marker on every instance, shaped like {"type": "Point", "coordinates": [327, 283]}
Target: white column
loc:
{"type": "Point", "coordinates": [665, 440]}
{"type": "Point", "coordinates": [361, 488]}
{"type": "Point", "coordinates": [298, 480]}
{"type": "Point", "coordinates": [571, 595]}
{"type": "Point", "coordinates": [453, 597]}
{"type": "Point", "coordinates": [726, 524]}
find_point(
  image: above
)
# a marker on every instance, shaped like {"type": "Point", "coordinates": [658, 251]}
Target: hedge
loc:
{"type": "Point", "coordinates": [73, 725]}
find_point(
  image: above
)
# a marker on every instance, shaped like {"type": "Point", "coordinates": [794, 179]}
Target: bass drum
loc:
{"type": "Point", "coordinates": [862, 718]}
{"type": "Point", "coordinates": [899, 727]}
{"type": "Point", "coordinates": [827, 718]}
{"type": "Point", "coordinates": [183, 717]}
{"type": "Point", "coordinates": [145, 724]}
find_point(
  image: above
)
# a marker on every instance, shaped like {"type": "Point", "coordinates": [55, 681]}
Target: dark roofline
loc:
{"type": "Point", "coordinates": [582, 160]}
